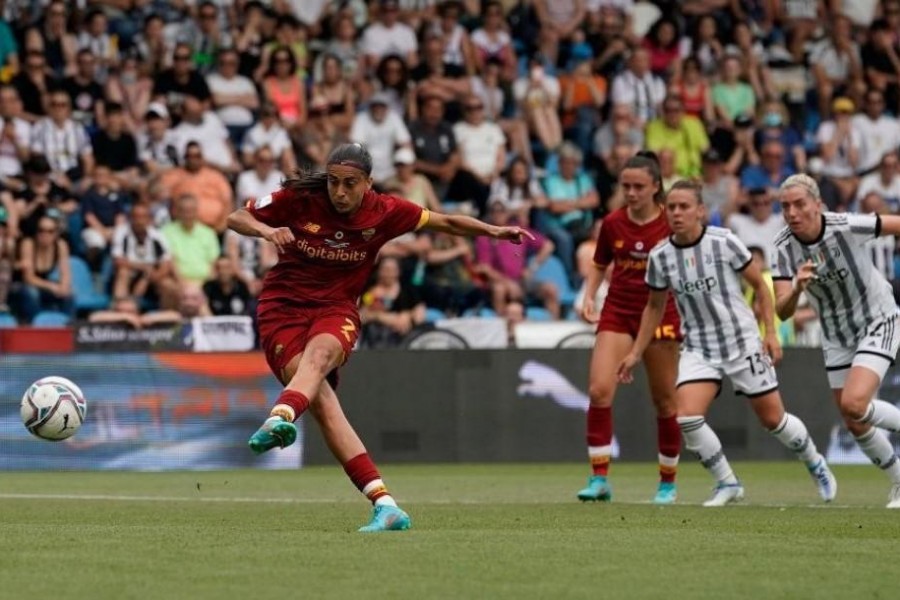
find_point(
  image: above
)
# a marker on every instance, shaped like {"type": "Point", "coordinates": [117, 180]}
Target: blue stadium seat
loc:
{"type": "Point", "coordinates": [553, 271]}
{"type": "Point", "coordinates": [86, 298]}
{"type": "Point", "coordinates": [485, 312]}
{"type": "Point", "coordinates": [7, 321]}
{"type": "Point", "coordinates": [537, 313]}
{"type": "Point", "coordinates": [51, 318]}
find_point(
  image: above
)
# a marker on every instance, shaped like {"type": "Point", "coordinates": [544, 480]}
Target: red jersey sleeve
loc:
{"type": "Point", "coordinates": [272, 209]}
{"type": "Point", "coordinates": [603, 254]}
{"type": "Point", "coordinates": [403, 216]}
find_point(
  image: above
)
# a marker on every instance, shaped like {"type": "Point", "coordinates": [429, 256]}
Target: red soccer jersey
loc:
{"type": "Point", "coordinates": [628, 245]}
{"type": "Point", "coordinates": [333, 254]}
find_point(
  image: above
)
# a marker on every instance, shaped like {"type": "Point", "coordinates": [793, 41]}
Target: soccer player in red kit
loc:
{"type": "Point", "coordinates": [328, 228]}
{"type": "Point", "coordinates": [625, 240]}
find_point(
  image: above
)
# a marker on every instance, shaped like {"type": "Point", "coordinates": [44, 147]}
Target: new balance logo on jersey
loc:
{"type": "Point", "coordinates": [698, 286]}
{"type": "Point", "coordinates": [312, 227]}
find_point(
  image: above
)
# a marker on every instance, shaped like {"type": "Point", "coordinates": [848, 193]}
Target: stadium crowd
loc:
{"type": "Point", "coordinates": [130, 129]}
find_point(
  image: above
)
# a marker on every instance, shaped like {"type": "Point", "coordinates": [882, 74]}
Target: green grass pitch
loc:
{"type": "Point", "coordinates": [499, 531]}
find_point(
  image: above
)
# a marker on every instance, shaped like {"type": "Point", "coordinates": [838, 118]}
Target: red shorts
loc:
{"type": "Point", "coordinates": [620, 321]}
{"type": "Point", "coordinates": [285, 329]}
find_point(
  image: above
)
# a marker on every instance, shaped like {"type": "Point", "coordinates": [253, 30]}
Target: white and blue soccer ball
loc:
{"type": "Point", "coordinates": [53, 408]}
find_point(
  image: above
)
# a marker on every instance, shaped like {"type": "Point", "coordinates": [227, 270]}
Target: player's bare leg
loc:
{"type": "Point", "coordinates": [609, 349]}
{"type": "Point", "coordinates": [346, 446]}
{"type": "Point", "coordinates": [693, 402]}
{"type": "Point", "coordinates": [792, 433]}
{"type": "Point", "coordinates": [661, 359]}
{"type": "Point", "coordinates": [304, 374]}
{"type": "Point", "coordinates": [863, 416]}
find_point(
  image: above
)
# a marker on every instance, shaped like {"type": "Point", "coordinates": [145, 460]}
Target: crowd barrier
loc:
{"type": "Point", "coordinates": [183, 410]}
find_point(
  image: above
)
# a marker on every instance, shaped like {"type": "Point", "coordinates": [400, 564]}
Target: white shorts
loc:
{"type": "Point", "coordinates": [751, 375]}
{"type": "Point", "coordinates": [876, 351]}
{"type": "Point", "coordinates": [93, 239]}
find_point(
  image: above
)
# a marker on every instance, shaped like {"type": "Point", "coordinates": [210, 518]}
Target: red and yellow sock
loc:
{"type": "Point", "coordinates": [290, 405]}
{"type": "Point", "coordinates": [364, 475]}
{"type": "Point", "coordinates": [669, 437]}
{"type": "Point", "coordinates": [599, 438]}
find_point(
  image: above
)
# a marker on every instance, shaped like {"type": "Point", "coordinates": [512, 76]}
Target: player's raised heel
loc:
{"type": "Point", "coordinates": [894, 497]}
{"type": "Point", "coordinates": [597, 490]}
{"type": "Point", "coordinates": [387, 518]}
{"type": "Point", "coordinates": [725, 493]}
{"type": "Point", "coordinates": [667, 493]}
{"type": "Point", "coordinates": [824, 479]}
{"type": "Point", "coordinates": [274, 433]}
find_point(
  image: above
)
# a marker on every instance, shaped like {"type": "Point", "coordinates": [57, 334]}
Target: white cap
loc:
{"type": "Point", "coordinates": [404, 156]}
{"type": "Point", "coordinates": [157, 108]}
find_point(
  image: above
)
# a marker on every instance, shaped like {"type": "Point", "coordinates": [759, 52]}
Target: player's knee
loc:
{"type": "Point", "coordinates": [322, 359]}
{"type": "Point", "coordinates": [853, 406]}
{"type": "Point", "coordinates": [600, 393]}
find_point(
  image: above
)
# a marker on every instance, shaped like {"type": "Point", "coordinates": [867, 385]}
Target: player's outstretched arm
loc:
{"type": "Point", "coordinates": [241, 221]}
{"type": "Point", "coordinates": [753, 276]}
{"type": "Point", "coordinates": [650, 320]}
{"type": "Point", "coordinates": [890, 225]}
{"type": "Point", "coordinates": [468, 226]}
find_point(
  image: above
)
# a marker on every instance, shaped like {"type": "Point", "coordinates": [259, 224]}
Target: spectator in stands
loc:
{"type": "Point", "coordinates": [519, 191]}
{"type": "Point", "coordinates": [194, 246]}
{"type": "Point", "coordinates": [537, 94]}
{"type": "Point", "coordinates": [509, 270]}
{"type": "Point", "coordinates": [387, 35]}
{"type": "Point", "coordinates": [389, 309]}
{"type": "Point", "coordinates": [620, 129]}
{"type": "Point", "coordinates": [234, 96]}
{"type": "Point", "coordinates": [205, 185]}
{"type": "Point", "coordinates": [569, 213]}
{"type": "Point", "coordinates": [694, 91]}
{"type": "Point", "coordinates": [157, 144]}
{"type": "Point", "coordinates": [123, 311]}
{"type": "Point", "coordinates": [435, 76]}
{"type": "Point", "coordinates": [291, 35]}
{"type": "Point", "coordinates": [774, 126]}
{"type": "Point", "coordinates": [44, 272]}
{"type": "Point", "coordinates": [205, 36]}
{"type": "Point", "coordinates": [583, 97]}
{"type": "Point", "coordinates": [884, 247]}
{"type": "Point", "coordinates": [638, 88]}
{"type": "Point", "coordinates": [835, 64]}
{"type": "Point", "coordinates": [103, 209]}
{"type": "Point", "coordinates": [759, 226]}
{"type": "Point", "coordinates": [225, 292]}
{"type": "Point", "coordinates": [53, 39]}
{"type": "Point", "coordinates": [411, 185]}
{"type": "Point", "coordinates": [103, 46]}
{"type": "Point", "coordinates": [192, 303]}
{"type": "Point", "coordinates": [39, 196]}
{"type": "Point", "coordinates": [142, 262]}
{"type": "Point", "coordinates": [482, 150]}
{"type": "Point", "coordinates": [130, 86]}
{"type": "Point", "coordinates": [15, 135]}
{"type": "Point", "coordinates": [437, 156]}
{"type": "Point", "coordinates": [269, 132]}
{"type": "Point", "coordinates": [174, 84]}
{"type": "Point", "coordinates": [731, 95]}
{"type": "Point", "coordinates": [383, 132]}
{"type": "Point", "coordinates": [85, 93]}
{"type": "Point", "coordinates": [262, 179]}
{"type": "Point", "coordinates": [498, 108]}
{"type": "Point", "coordinates": [7, 258]}
{"type": "Point", "coordinates": [839, 146]}
{"type": "Point", "coordinates": [392, 78]}
{"type": "Point", "coordinates": [451, 283]}
{"type": "Point", "coordinates": [458, 50]}
{"type": "Point", "coordinates": [559, 21]}
{"type": "Point", "coordinates": [704, 48]}
{"type": "Point", "coordinates": [114, 147]}
{"type": "Point", "coordinates": [198, 124]}
{"type": "Point", "coordinates": [772, 170]}
{"type": "Point", "coordinates": [320, 136]}
{"type": "Point", "coordinates": [720, 192]}
{"type": "Point", "coordinates": [284, 90]}
{"type": "Point", "coordinates": [63, 142]}
{"type": "Point", "coordinates": [336, 89]}
{"type": "Point", "coordinates": [879, 132]}
{"type": "Point", "coordinates": [753, 57]}
{"type": "Point", "coordinates": [682, 134]}
{"type": "Point", "coordinates": [885, 182]}
{"type": "Point", "coordinates": [662, 44]}
{"type": "Point", "coordinates": [345, 47]}
{"type": "Point", "coordinates": [882, 63]}
{"type": "Point", "coordinates": [151, 46]}
{"type": "Point", "coordinates": [31, 84]}
{"type": "Point", "coordinates": [492, 42]}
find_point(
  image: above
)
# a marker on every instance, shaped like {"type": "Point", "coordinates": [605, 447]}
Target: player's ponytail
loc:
{"type": "Point", "coordinates": [647, 160]}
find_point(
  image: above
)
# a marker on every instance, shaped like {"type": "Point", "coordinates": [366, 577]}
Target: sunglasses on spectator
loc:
{"type": "Point", "coordinates": [193, 155]}
{"type": "Point", "coordinates": [47, 230]}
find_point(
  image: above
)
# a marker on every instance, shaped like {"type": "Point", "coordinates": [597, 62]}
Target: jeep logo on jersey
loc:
{"type": "Point", "coordinates": [836, 275]}
{"type": "Point", "coordinates": [703, 285]}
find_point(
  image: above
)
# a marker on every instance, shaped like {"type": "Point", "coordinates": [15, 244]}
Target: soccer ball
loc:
{"type": "Point", "coordinates": [53, 408]}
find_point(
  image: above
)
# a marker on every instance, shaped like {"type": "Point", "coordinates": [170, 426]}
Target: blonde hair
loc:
{"type": "Point", "coordinates": [802, 180]}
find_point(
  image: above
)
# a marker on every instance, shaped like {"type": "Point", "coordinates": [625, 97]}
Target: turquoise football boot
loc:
{"type": "Point", "coordinates": [666, 493]}
{"type": "Point", "coordinates": [274, 433]}
{"type": "Point", "coordinates": [387, 518]}
{"type": "Point", "coordinates": [597, 490]}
